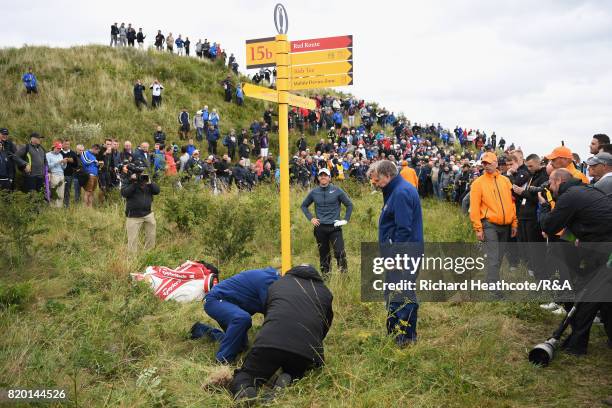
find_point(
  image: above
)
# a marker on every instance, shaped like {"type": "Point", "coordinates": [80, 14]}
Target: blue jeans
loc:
{"type": "Point", "coordinates": [234, 321]}
{"type": "Point", "coordinates": [436, 190]}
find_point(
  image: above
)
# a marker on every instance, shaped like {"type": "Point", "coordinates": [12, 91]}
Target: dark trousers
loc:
{"type": "Point", "coordinates": [212, 147]}
{"type": "Point", "coordinates": [5, 184]}
{"type": "Point", "coordinates": [325, 235]}
{"type": "Point", "coordinates": [530, 232]}
{"type": "Point", "coordinates": [496, 237]}
{"type": "Point", "coordinates": [69, 180]}
{"type": "Point", "coordinates": [156, 101]}
{"type": "Point", "coordinates": [261, 363]}
{"type": "Point", "coordinates": [581, 323]}
{"type": "Point", "coordinates": [139, 102]}
{"type": "Point", "coordinates": [33, 183]}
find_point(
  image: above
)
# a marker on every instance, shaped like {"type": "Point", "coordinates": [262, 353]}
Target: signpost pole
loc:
{"type": "Point", "coordinates": [282, 87]}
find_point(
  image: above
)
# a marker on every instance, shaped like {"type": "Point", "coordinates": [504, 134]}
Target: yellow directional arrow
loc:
{"type": "Point", "coordinates": [322, 69]}
{"type": "Point", "coordinates": [325, 81]}
{"type": "Point", "coordinates": [260, 92]}
{"type": "Point", "coordinates": [300, 101]}
{"type": "Point", "coordinates": [316, 57]}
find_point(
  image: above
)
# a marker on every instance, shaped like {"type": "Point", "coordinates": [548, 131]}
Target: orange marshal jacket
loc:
{"type": "Point", "coordinates": [491, 199]}
{"type": "Point", "coordinates": [410, 176]}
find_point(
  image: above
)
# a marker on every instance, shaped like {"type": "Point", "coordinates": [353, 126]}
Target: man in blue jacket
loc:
{"type": "Point", "coordinates": [29, 80]}
{"type": "Point", "coordinates": [231, 303]}
{"type": "Point", "coordinates": [400, 221]}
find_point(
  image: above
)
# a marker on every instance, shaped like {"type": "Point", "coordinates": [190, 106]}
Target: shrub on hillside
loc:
{"type": "Point", "coordinates": [18, 225]}
{"type": "Point", "coordinates": [221, 224]}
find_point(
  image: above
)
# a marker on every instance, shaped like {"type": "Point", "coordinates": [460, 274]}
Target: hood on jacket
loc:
{"type": "Point", "coordinates": [566, 185]}
{"type": "Point", "coordinates": [305, 271]}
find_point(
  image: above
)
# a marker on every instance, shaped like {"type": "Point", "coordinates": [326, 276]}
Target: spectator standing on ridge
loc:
{"type": "Point", "coordinates": [227, 87]}
{"type": "Point", "coordinates": [131, 35]}
{"type": "Point", "coordinates": [212, 135]}
{"type": "Point", "coordinates": [198, 124]}
{"type": "Point", "coordinates": [123, 35]}
{"type": "Point", "coordinates": [183, 120]}
{"type": "Point", "coordinates": [180, 45]}
{"type": "Point", "coordinates": [159, 136]}
{"type": "Point", "coordinates": [187, 44]}
{"type": "Point", "coordinates": [57, 164]}
{"type": "Point", "coordinates": [114, 34]}
{"type": "Point", "coordinates": [159, 41]}
{"type": "Point", "coordinates": [239, 95]}
{"type": "Point", "coordinates": [140, 37]}
{"type": "Point", "coordinates": [139, 98]}
{"type": "Point", "coordinates": [32, 160]}
{"type": "Point", "coordinates": [170, 43]}
{"type": "Point", "coordinates": [214, 118]}
{"type": "Point", "coordinates": [156, 94]}
{"type": "Point", "coordinates": [30, 82]}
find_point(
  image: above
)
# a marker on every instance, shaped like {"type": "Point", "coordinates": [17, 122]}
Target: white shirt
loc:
{"type": "Point", "coordinates": [157, 88]}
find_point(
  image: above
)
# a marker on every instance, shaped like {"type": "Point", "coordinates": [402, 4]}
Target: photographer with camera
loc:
{"type": "Point", "coordinates": [138, 190]}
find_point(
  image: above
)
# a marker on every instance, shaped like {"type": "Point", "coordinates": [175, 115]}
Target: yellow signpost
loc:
{"type": "Point", "coordinates": [323, 81]}
{"type": "Point", "coordinates": [317, 57]}
{"type": "Point", "coordinates": [261, 52]}
{"type": "Point", "coordinates": [333, 67]}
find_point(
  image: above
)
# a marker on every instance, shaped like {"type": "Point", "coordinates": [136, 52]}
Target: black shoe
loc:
{"type": "Point", "coordinates": [403, 341]}
{"type": "Point", "coordinates": [282, 381]}
{"type": "Point", "coordinates": [245, 393]}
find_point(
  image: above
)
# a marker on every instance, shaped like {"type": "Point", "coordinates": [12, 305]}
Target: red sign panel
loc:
{"type": "Point", "coordinates": [317, 44]}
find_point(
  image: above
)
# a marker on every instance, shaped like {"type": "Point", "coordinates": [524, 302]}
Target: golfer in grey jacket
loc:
{"type": "Point", "coordinates": [327, 222]}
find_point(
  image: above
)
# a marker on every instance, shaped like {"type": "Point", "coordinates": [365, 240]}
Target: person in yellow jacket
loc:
{"type": "Point", "coordinates": [562, 158]}
{"type": "Point", "coordinates": [492, 212]}
{"type": "Point", "coordinates": [409, 174]}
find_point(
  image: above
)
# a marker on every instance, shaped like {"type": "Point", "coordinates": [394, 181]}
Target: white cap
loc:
{"type": "Point", "coordinates": [324, 170]}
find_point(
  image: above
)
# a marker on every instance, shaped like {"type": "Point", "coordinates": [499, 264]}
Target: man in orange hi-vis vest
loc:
{"type": "Point", "coordinates": [409, 174]}
{"type": "Point", "coordinates": [492, 212]}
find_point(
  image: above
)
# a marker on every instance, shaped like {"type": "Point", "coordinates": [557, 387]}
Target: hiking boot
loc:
{"type": "Point", "coordinates": [282, 381]}
{"type": "Point", "coordinates": [245, 394]}
{"type": "Point", "coordinates": [404, 341]}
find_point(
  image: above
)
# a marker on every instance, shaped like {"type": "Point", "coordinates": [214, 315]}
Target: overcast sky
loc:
{"type": "Point", "coordinates": [536, 72]}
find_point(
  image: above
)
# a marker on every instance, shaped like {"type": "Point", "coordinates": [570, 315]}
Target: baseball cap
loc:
{"type": "Point", "coordinates": [57, 145]}
{"type": "Point", "coordinates": [4, 131]}
{"type": "Point", "coordinates": [560, 152]}
{"type": "Point", "coordinates": [36, 135]}
{"type": "Point", "coordinates": [600, 158]}
{"type": "Point", "coordinates": [324, 170]}
{"type": "Point", "coordinates": [488, 157]}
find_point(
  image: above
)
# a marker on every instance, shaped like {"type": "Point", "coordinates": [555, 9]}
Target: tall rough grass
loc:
{"type": "Point", "coordinates": [70, 318]}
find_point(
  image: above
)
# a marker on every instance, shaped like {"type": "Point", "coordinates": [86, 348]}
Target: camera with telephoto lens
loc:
{"type": "Point", "coordinates": [539, 189]}
{"type": "Point", "coordinates": [138, 168]}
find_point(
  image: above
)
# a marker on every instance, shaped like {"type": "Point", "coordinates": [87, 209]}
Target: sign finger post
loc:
{"type": "Point", "coordinates": [304, 64]}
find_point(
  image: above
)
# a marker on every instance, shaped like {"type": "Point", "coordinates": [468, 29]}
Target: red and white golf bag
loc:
{"type": "Point", "coordinates": [187, 283]}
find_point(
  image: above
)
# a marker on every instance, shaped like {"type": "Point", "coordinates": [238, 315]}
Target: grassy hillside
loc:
{"type": "Point", "coordinates": [70, 318]}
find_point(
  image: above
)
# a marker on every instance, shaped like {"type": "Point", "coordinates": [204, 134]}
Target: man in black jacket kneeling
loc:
{"type": "Point", "coordinates": [138, 190]}
{"type": "Point", "coordinates": [297, 318]}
